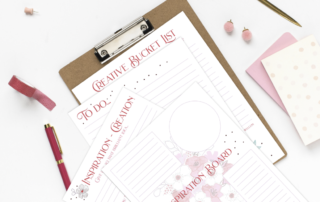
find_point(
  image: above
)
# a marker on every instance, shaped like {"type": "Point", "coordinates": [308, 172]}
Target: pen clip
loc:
{"type": "Point", "coordinates": [55, 134]}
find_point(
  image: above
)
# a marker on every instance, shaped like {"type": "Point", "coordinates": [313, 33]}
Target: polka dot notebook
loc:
{"type": "Point", "coordinates": [295, 73]}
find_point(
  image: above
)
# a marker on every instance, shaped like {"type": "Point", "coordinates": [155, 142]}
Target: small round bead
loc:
{"type": "Point", "coordinates": [228, 26]}
{"type": "Point", "coordinates": [28, 10]}
{"type": "Point", "coordinates": [246, 35]}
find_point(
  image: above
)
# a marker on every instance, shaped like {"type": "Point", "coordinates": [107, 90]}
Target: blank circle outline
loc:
{"type": "Point", "coordinates": [201, 103]}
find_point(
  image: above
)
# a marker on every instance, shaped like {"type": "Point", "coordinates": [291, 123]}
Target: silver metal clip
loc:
{"type": "Point", "coordinates": [122, 39]}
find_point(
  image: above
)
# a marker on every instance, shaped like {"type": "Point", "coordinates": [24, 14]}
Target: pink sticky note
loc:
{"type": "Point", "coordinates": [259, 74]}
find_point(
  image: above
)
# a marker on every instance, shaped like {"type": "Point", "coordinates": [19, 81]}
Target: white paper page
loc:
{"type": "Point", "coordinates": [209, 146]}
{"type": "Point", "coordinates": [256, 180]}
{"type": "Point", "coordinates": [161, 79]}
{"type": "Point", "coordinates": [144, 164]}
{"type": "Point", "coordinates": [180, 26]}
{"type": "Point", "coordinates": [129, 115]}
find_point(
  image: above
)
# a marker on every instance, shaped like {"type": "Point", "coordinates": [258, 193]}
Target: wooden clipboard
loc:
{"type": "Point", "coordinates": [87, 64]}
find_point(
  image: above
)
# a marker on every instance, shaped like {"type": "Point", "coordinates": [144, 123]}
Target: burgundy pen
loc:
{"type": "Point", "coordinates": [57, 152]}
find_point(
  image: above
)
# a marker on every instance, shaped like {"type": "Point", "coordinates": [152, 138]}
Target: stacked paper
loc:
{"type": "Point", "coordinates": [295, 73]}
{"type": "Point", "coordinates": [166, 132]}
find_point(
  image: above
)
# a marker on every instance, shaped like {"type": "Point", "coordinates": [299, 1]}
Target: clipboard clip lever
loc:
{"type": "Point", "coordinates": [122, 39]}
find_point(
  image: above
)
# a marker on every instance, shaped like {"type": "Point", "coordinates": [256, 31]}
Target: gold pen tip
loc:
{"type": "Point", "coordinates": [296, 23]}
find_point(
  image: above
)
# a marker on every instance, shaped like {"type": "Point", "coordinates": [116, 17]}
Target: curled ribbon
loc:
{"type": "Point", "coordinates": [30, 91]}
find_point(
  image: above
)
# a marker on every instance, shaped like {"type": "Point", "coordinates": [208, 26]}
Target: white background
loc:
{"type": "Point", "coordinates": [36, 47]}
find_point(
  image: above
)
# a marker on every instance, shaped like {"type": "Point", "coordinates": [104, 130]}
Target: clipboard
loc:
{"type": "Point", "coordinates": [86, 65]}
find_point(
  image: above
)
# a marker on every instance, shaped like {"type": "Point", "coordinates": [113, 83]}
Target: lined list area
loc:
{"type": "Point", "coordinates": [92, 129]}
{"type": "Point", "coordinates": [110, 193]}
{"type": "Point", "coordinates": [145, 167]}
{"type": "Point", "coordinates": [254, 181]}
{"type": "Point", "coordinates": [146, 117]}
{"type": "Point", "coordinates": [171, 84]}
{"type": "Point", "coordinates": [238, 110]}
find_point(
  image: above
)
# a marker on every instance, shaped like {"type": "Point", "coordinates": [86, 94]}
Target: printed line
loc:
{"type": "Point", "coordinates": [236, 108]}
{"type": "Point", "coordinates": [145, 168]}
{"type": "Point", "coordinates": [245, 171]}
{"type": "Point", "coordinates": [205, 65]}
{"type": "Point", "coordinates": [170, 167]}
{"type": "Point", "coordinates": [171, 85]}
{"type": "Point", "coordinates": [240, 112]}
{"type": "Point", "coordinates": [210, 68]}
{"type": "Point", "coordinates": [178, 89]}
{"type": "Point", "coordinates": [255, 184]}
{"type": "Point", "coordinates": [150, 150]}
{"type": "Point", "coordinates": [282, 197]}
{"type": "Point", "coordinates": [266, 190]}
{"type": "Point", "coordinates": [269, 171]}
{"type": "Point", "coordinates": [252, 179]}
{"type": "Point", "coordinates": [97, 119]}
{"type": "Point", "coordinates": [102, 188]}
{"type": "Point", "coordinates": [218, 84]}
{"type": "Point", "coordinates": [288, 199]}
{"type": "Point", "coordinates": [138, 122]}
{"type": "Point", "coordinates": [228, 99]}
{"type": "Point", "coordinates": [145, 120]}
{"type": "Point", "coordinates": [169, 103]}
{"type": "Point", "coordinates": [107, 189]}
{"type": "Point", "coordinates": [248, 175]}
{"type": "Point", "coordinates": [112, 193]}
{"type": "Point", "coordinates": [246, 122]}
{"type": "Point", "coordinates": [163, 75]}
{"type": "Point", "coordinates": [201, 60]}
{"type": "Point", "coordinates": [198, 55]}
{"type": "Point", "coordinates": [144, 177]}
{"type": "Point", "coordinates": [192, 45]}
{"type": "Point", "coordinates": [133, 155]}
{"type": "Point", "coordinates": [207, 70]}
{"type": "Point", "coordinates": [262, 186]}
{"type": "Point", "coordinates": [215, 79]}
{"type": "Point", "coordinates": [277, 194]}
{"type": "Point", "coordinates": [140, 159]}
{"type": "Point", "coordinates": [95, 129]}
{"type": "Point", "coordinates": [243, 118]}
{"type": "Point", "coordinates": [155, 182]}
{"type": "Point", "coordinates": [225, 94]}
{"type": "Point", "coordinates": [222, 88]}
{"type": "Point", "coordinates": [154, 115]}
{"type": "Point", "coordinates": [288, 190]}
{"type": "Point", "coordinates": [212, 74]}
{"type": "Point", "coordinates": [122, 183]}
{"type": "Point", "coordinates": [165, 81]}
{"type": "Point", "coordinates": [143, 184]}
{"type": "Point", "coordinates": [117, 194]}
{"type": "Point", "coordinates": [195, 50]}
{"type": "Point", "coordinates": [241, 167]}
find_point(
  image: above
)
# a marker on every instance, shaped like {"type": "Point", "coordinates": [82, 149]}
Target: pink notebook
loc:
{"type": "Point", "coordinates": [259, 74]}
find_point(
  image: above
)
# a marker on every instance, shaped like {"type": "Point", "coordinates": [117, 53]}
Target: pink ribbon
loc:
{"type": "Point", "coordinates": [30, 91]}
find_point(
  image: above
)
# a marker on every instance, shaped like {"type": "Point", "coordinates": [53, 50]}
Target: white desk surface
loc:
{"type": "Point", "coordinates": [37, 47]}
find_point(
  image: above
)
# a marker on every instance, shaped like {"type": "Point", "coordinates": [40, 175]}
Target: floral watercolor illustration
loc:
{"type": "Point", "coordinates": [214, 188]}
{"type": "Point", "coordinates": [180, 179]}
{"type": "Point", "coordinates": [82, 191]}
{"type": "Point", "coordinates": [196, 164]}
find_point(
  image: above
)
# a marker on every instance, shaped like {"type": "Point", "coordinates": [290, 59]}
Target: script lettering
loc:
{"type": "Point", "coordinates": [117, 125]}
